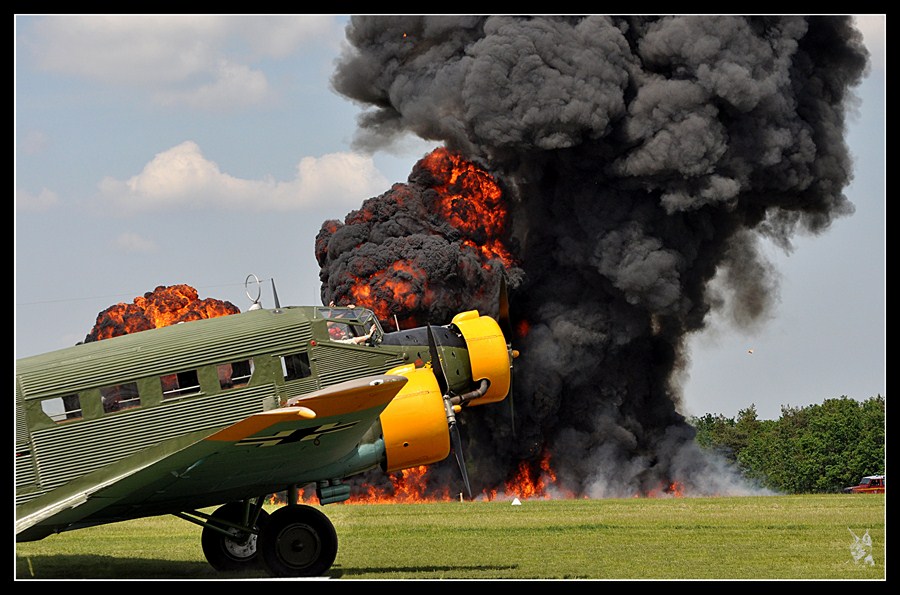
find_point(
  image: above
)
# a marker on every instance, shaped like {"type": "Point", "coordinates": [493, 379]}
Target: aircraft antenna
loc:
{"type": "Point", "coordinates": [275, 293]}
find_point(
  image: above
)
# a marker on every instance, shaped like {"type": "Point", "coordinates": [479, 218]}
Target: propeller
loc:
{"type": "Point", "coordinates": [437, 365]}
{"type": "Point", "coordinates": [506, 327]}
{"type": "Point", "coordinates": [503, 311]}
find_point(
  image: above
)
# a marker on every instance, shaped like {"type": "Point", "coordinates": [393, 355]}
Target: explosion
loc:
{"type": "Point", "coordinates": [441, 245]}
{"type": "Point", "coordinates": [163, 306]}
{"type": "Point", "coordinates": [640, 161]}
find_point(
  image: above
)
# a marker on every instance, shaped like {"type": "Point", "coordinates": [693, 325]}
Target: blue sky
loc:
{"type": "Point", "coordinates": [156, 150]}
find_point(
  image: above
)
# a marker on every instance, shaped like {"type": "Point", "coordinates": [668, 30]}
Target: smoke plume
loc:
{"type": "Point", "coordinates": [641, 158]}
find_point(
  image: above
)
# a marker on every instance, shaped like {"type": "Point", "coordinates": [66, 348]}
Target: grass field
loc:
{"type": "Point", "coordinates": [760, 537]}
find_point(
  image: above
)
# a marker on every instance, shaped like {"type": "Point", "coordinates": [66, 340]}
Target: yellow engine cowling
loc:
{"type": "Point", "coordinates": [414, 424]}
{"type": "Point", "coordinates": [488, 354]}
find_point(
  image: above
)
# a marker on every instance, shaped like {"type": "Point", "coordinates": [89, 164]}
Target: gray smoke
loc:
{"type": "Point", "coordinates": [640, 157]}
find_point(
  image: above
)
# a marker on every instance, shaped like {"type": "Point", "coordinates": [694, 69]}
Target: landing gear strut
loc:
{"type": "Point", "coordinates": [228, 544]}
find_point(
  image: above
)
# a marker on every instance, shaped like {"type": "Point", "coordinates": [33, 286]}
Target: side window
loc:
{"type": "Point", "coordinates": [295, 366]}
{"type": "Point", "coordinates": [235, 374]}
{"type": "Point", "coordinates": [62, 409]}
{"type": "Point", "coordinates": [181, 384]}
{"type": "Point", "coordinates": [119, 397]}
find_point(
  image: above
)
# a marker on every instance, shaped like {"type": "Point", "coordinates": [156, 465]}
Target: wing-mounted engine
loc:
{"type": "Point", "coordinates": [414, 424]}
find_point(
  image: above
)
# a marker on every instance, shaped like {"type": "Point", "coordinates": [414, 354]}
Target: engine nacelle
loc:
{"type": "Point", "coordinates": [414, 424]}
{"type": "Point", "coordinates": [488, 354]}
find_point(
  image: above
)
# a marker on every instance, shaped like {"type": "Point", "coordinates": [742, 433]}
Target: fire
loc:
{"type": "Point", "coordinates": [532, 480]}
{"type": "Point", "coordinates": [530, 483]}
{"type": "Point", "coordinates": [163, 306]}
{"type": "Point", "coordinates": [394, 286]}
{"type": "Point", "coordinates": [674, 489]}
{"type": "Point", "coordinates": [406, 487]}
{"type": "Point", "coordinates": [453, 198]}
{"type": "Point", "coordinates": [472, 202]}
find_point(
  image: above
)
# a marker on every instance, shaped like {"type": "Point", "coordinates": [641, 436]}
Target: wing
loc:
{"type": "Point", "coordinates": [316, 436]}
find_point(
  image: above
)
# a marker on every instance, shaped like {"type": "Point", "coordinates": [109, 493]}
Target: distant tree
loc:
{"type": "Point", "coordinates": [819, 448]}
{"type": "Point", "coordinates": [713, 433]}
{"type": "Point", "coordinates": [725, 435]}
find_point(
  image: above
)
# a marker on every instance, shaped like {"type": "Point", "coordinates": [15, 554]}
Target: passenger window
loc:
{"type": "Point", "coordinates": [235, 374]}
{"type": "Point", "coordinates": [296, 366]}
{"type": "Point", "coordinates": [62, 409]}
{"type": "Point", "coordinates": [181, 384]}
{"type": "Point", "coordinates": [119, 397]}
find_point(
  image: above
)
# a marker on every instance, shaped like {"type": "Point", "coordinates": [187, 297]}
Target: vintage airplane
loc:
{"type": "Point", "coordinates": [223, 412]}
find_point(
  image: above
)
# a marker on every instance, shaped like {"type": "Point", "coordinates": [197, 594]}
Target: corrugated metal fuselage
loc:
{"type": "Point", "coordinates": [53, 449]}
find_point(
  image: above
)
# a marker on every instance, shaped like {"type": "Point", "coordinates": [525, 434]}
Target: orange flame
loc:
{"type": "Point", "coordinates": [163, 306]}
{"type": "Point", "coordinates": [463, 195]}
{"type": "Point", "coordinates": [471, 201]}
{"type": "Point", "coordinates": [396, 288]}
{"type": "Point", "coordinates": [533, 480]}
{"type": "Point", "coordinates": [673, 489]}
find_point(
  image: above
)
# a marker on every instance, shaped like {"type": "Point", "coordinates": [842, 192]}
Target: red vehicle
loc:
{"type": "Point", "coordinates": [870, 484]}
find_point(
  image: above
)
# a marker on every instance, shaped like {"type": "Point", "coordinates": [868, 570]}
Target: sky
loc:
{"type": "Point", "coordinates": [200, 149]}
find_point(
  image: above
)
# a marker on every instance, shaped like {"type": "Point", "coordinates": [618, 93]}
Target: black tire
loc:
{"type": "Point", "coordinates": [298, 541]}
{"type": "Point", "coordinates": [239, 552]}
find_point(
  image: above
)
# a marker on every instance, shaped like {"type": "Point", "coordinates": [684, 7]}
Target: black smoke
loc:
{"type": "Point", "coordinates": [643, 161]}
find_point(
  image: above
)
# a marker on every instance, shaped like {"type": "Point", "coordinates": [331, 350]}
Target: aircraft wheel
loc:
{"type": "Point", "coordinates": [298, 541]}
{"type": "Point", "coordinates": [235, 553]}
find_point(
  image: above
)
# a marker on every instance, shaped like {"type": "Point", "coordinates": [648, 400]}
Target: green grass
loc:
{"type": "Point", "coordinates": [768, 537]}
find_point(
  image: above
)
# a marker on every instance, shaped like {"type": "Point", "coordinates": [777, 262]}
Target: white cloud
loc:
{"type": "Point", "coordinates": [182, 178]}
{"type": "Point", "coordinates": [180, 57]}
{"type": "Point", "coordinates": [132, 242]}
{"type": "Point", "coordinates": [40, 202]}
{"type": "Point", "coordinates": [279, 36]}
{"type": "Point", "coordinates": [234, 85]}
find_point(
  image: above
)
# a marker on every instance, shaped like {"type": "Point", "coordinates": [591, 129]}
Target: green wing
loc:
{"type": "Point", "coordinates": [316, 436]}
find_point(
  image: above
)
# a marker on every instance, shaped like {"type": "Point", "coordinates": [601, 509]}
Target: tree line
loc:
{"type": "Point", "coordinates": [814, 449]}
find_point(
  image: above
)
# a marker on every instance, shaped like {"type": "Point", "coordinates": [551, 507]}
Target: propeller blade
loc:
{"type": "Point", "coordinates": [512, 411]}
{"type": "Point", "coordinates": [503, 311]}
{"type": "Point", "coordinates": [503, 319]}
{"type": "Point", "coordinates": [436, 364]}
{"type": "Point", "coordinates": [460, 460]}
